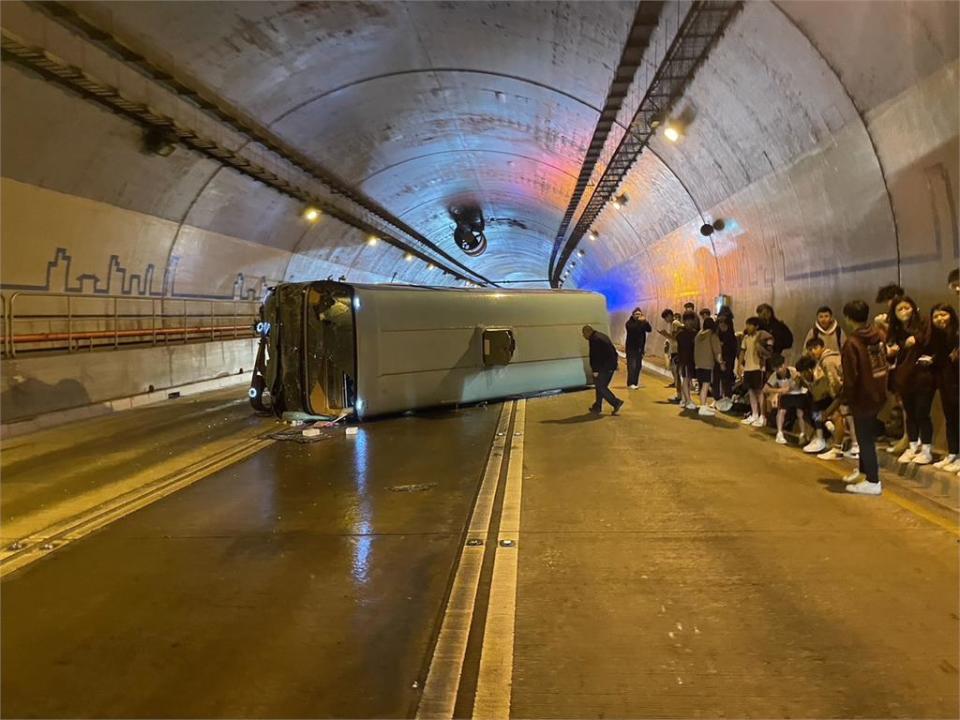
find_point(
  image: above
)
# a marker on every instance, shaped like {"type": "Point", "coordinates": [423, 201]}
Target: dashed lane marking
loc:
{"type": "Point", "coordinates": [446, 666]}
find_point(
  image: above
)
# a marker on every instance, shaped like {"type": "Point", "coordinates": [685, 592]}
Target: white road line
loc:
{"type": "Point", "coordinates": [494, 681]}
{"type": "Point", "coordinates": [443, 679]}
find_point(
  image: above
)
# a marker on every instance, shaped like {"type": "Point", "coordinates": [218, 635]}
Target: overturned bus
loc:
{"type": "Point", "coordinates": [327, 348]}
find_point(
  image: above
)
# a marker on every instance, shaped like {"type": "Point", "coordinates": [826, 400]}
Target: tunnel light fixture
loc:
{"type": "Point", "coordinates": [373, 240]}
{"type": "Point", "coordinates": [581, 252]}
{"type": "Point", "coordinates": [594, 235]}
{"type": "Point", "coordinates": [408, 257]}
{"type": "Point", "coordinates": [672, 132]}
{"type": "Point", "coordinates": [311, 214]}
{"type": "Point", "coordinates": [620, 200]}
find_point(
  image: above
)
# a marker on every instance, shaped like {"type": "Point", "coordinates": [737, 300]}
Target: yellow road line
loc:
{"type": "Point", "coordinates": [49, 540]}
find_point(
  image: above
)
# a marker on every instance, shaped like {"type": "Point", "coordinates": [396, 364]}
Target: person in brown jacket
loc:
{"type": "Point", "coordinates": [864, 361]}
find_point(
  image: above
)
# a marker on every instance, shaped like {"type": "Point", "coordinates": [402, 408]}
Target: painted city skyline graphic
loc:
{"type": "Point", "coordinates": [118, 280]}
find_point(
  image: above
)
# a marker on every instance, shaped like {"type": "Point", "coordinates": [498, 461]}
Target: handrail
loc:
{"type": "Point", "coordinates": [194, 318]}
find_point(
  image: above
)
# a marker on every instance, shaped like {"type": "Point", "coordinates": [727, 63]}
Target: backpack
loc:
{"type": "Point", "coordinates": [816, 334]}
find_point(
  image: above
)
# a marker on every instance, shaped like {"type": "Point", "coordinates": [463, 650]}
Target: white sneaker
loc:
{"type": "Point", "coordinates": [907, 455]}
{"type": "Point", "coordinates": [706, 411]}
{"type": "Point", "coordinates": [865, 488]}
{"type": "Point", "coordinates": [831, 454]}
{"type": "Point", "coordinates": [724, 404]}
{"type": "Point", "coordinates": [633, 387]}
{"type": "Point", "coordinates": [953, 467]}
{"type": "Point", "coordinates": [924, 456]}
{"type": "Point", "coordinates": [853, 453]}
{"type": "Point", "coordinates": [759, 422]}
{"type": "Point", "coordinates": [781, 440]}
{"type": "Point", "coordinates": [817, 445]}
{"type": "Point", "coordinates": [691, 406]}
{"type": "Point", "coordinates": [853, 476]}
{"type": "Point", "coordinates": [748, 420]}
{"type": "Point", "coordinates": [944, 461]}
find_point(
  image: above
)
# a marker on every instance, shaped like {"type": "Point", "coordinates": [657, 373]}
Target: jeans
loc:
{"type": "Point", "coordinates": [916, 406]}
{"type": "Point", "coordinates": [602, 386]}
{"type": "Point", "coordinates": [951, 413]}
{"type": "Point", "coordinates": [634, 366]}
{"type": "Point", "coordinates": [866, 428]}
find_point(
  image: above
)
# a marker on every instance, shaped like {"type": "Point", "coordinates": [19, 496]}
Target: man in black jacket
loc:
{"type": "Point", "coordinates": [782, 337]}
{"type": "Point", "coordinates": [603, 363]}
{"type": "Point", "coordinates": [635, 345]}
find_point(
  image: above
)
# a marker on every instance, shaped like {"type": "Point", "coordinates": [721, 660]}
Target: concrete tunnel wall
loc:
{"type": "Point", "coordinates": [827, 142]}
{"type": "Point", "coordinates": [824, 134]}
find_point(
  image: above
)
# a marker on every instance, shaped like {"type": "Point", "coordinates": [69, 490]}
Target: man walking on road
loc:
{"type": "Point", "coordinates": [603, 363]}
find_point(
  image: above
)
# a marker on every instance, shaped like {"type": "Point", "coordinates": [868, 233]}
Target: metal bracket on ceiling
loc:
{"type": "Point", "coordinates": [702, 26]}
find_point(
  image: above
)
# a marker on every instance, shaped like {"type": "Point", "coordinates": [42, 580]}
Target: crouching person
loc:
{"type": "Point", "coordinates": [826, 388]}
{"type": "Point", "coordinates": [784, 391]}
{"type": "Point", "coordinates": [864, 391]}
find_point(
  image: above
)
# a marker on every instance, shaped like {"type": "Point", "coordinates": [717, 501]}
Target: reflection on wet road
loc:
{"type": "Point", "coordinates": [264, 590]}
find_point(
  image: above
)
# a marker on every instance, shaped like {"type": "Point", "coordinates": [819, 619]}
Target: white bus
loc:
{"type": "Point", "coordinates": [327, 347]}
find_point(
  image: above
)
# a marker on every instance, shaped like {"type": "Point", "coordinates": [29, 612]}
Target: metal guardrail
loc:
{"type": "Point", "coordinates": [51, 322]}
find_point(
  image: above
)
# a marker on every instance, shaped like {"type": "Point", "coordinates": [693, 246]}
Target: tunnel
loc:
{"type": "Point", "coordinates": [169, 552]}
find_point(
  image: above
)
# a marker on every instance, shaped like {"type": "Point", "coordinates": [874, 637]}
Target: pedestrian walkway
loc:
{"type": "Point", "coordinates": [685, 567]}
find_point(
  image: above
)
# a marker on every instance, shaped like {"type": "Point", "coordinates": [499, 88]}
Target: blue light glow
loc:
{"type": "Point", "coordinates": [620, 294]}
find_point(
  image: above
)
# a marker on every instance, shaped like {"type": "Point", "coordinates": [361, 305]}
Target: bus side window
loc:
{"type": "Point", "coordinates": [498, 346]}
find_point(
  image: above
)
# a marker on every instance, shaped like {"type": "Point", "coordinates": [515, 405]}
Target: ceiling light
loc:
{"type": "Point", "coordinates": [372, 240]}
{"type": "Point", "coordinates": [594, 235]}
{"type": "Point", "coordinates": [581, 252]}
{"type": "Point", "coordinates": [620, 200]}
{"type": "Point", "coordinates": [671, 133]}
{"type": "Point", "coordinates": [408, 257]}
{"type": "Point", "coordinates": [311, 214]}
{"type": "Point", "coordinates": [429, 266]}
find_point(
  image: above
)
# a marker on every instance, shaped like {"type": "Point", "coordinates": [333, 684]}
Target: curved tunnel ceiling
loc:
{"type": "Point", "coordinates": [824, 133]}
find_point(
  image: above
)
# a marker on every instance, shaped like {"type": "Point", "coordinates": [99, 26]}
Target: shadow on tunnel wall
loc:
{"type": "Point", "coordinates": [32, 397]}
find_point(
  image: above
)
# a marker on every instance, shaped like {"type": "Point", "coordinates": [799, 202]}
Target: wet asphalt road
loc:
{"type": "Point", "coordinates": [306, 581]}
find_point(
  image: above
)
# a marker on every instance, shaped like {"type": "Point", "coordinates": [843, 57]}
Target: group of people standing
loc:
{"type": "Point", "coordinates": [835, 391]}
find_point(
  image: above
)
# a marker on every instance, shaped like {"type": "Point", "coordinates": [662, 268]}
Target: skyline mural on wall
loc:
{"type": "Point", "coordinates": [119, 281]}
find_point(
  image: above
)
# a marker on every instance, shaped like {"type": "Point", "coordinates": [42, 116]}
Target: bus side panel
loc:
{"type": "Point", "coordinates": [419, 349]}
